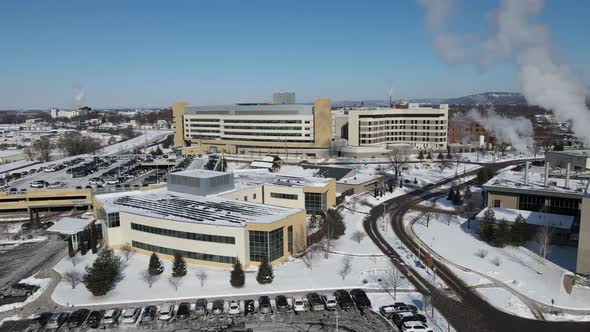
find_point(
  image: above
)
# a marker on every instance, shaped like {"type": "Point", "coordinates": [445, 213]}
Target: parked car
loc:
{"type": "Point", "coordinates": [112, 181]}
{"type": "Point", "coordinates": [40, 320]}
{"type": "Point", "coordinates": [329, 301]}
{"type": "Point", "coordinates": [264, 305]}
{"type": "Point", "coordinates": [344, 300]}
{"type": "Point", "coordinates": [387, 311]}
{"type": "Point", "coordinates": [56, 185]}
{"type": "Point", "coordinates": [360, 298]}
{"type": "Point", "coordinates": [94, 181]}
{"type": "Point", "coordinates": [77, 318]}
{"type": "Point", "coordinates": [166, 312]}
{"type": "Point", "coordinates": [282, 303]}
{"type": "Point", "coordinates": [50, 168]}
{"type": "Point", "coordinates": [111, 316]}
{"type": "Point", "coordinates": [415, 326]}
{"type": "Point", "coordinates": [402, 317]}
{"type": "Point", "coordinates": [56, 321]}
{"type": "Point", "coordinates": [249, 307]}
{"type": "Point", "coordinates": [217, 308]}
{"type": "Point", "coordinates": [149, 313]}
{"type": "Point", "coordinates": [47, 224]}
{"type": "Point", "coordinates": [201, 307]}
{"type": "Point", "coordinates": [94, 318]}
{"type": "Point", "coordinates": [298, 304]}
{"type": "Point", "coordinates": [184, 311]}
{"type": "Point", "coordinates": [315, 302]}
{"type": "Point", "coordinates": [20, 289]}
{"type": "Point", "coordinates": [39, 184]}
{"type": "Point", "coordinates": [234, 308]}
{"type": "Point", "coordinates": [420, 317]}
{"type": "Point", "coordinates": [130, 315]}
{"type": "Point", "coordinates": [400, 307]}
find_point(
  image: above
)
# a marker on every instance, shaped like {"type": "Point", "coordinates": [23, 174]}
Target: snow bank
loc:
{"type": "Point", "coordinates": [42, 283]}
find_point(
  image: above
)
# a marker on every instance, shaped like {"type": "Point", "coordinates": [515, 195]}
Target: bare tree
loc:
{"type": "Point", "coordinates": [148, 278]}
{"type": "Point", "coordinates": [450, 218]}
{"type": "Point", "coordinates": [126, 251]}
{"type": "Point", "coordinates": [397, 160]}
{"type": "Point", "coordinates": [73, 277]}
{"type": "Point", "coordinates": [391, 281]}
{"type": "Point", "coordinates": [543, 239]}
{"type": "Point", "coordinates": [354, 200]}
{"type": "Point", "coordinates": [346, 267]}
{"type": "Point", "coordinates": [358, 236]}
{"type": "Point", "coordinates": [29, 153]}
{"type": "Point", "coordinates": [43, 149]}
{"type": "Point", "coordinates": [175, 282]}
{"type": "Point", "coordinates": [202, 276]}
{"type": "Point", "coordinates": [325, 246]}
{"type": "Point", "coordinates": [75, 259]}
{"type": "Point", "coordinates": [428, 213]}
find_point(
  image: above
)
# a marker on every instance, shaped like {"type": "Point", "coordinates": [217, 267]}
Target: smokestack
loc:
{"type": "Point", "coordinates": [526, 173]}
{"type": "Point", "coordinates": [567, 176]}
{"type": "Point", "coordinates": [546, 180]}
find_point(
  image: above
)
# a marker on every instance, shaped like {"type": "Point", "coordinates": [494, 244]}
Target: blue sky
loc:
{"type": "Point", "coordinates": [138, 53]}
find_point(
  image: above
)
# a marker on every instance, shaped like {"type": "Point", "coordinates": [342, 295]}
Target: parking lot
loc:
{"type": "Point", "coordinates": [247, 314]}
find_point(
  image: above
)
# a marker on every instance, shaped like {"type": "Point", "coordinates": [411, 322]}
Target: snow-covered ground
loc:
{"type": "Point", "coordinates": [42, 283]}
{"type": "Point", "coordinates": [139, 141]}
{"type": "Point", "coordinates": [442, 203]}
{"type": "Point", "coordinates": [520, 268]}
{"type": "Point", "coordinates": [436, 322]}
{"type": "Point", "coordinates": [506, 301]}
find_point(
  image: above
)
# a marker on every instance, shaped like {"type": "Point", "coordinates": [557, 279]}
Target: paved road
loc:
{"type": "Point", "coordinates": [465, 310]}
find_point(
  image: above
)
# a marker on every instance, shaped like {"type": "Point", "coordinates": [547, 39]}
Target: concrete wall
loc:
{"type": "Point", "coordinates": [178, 123]}
{"type": "Point", "coordinates": [253, 194]}
{"type": "Point", "coordinates": [561, 159]}
{"type": "Point", "coordinates": [45, 198]}
{"type": "Point", "coordinates": [583, 260]}
{"type": "Point", "coordinates": [507, 201]}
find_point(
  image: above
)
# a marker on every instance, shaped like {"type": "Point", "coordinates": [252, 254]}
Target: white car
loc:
{"type": "Point", "coordinates": [415, 326]}
{"type": "Point", "coordinates": [130, 315]}
{"type": "Point", "coordinates": [166, 312]}
{"type": "Point", "coordinates": [50, 168]}
{"type": "Point", "coordinates": [329, 300]}
{"type": "Point", "coordinates": [94, 181]}
{"type": "Point", "coordinates": [112, 181]}
{"type": "Point", "coordinates": [234, 308]}
{"type": "Point", "coordinates": [298, 304]}
{"type": "Point", "coordinates": [56, 185]}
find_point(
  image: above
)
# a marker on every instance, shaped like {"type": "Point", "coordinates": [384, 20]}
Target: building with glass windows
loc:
{"type": "Point", "coordinates": [550, 199]}
{"type": "Point", "coordinates": [281, 128]}
{"type": "Point", "coordinates": [207, 230]}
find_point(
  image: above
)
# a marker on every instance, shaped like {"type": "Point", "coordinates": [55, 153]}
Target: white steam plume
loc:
{"type": "Point", "coordinates": [517, 132]}
{"type": "Point", "coordinates": [545, 81]}
{"type": "Point", "coordinates": [79, 94]}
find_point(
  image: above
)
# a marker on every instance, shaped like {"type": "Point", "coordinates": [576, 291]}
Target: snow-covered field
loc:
{"type": "Point", "coordinates": [147, 136]}
{"type": "Point", "coordinates": [42, 283]}
{"type": "Point", "coordinates": [519, 268]}
{"type": "Point", "coordinates": [506, 301]}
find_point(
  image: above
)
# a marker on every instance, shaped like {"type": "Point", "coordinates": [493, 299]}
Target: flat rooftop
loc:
{"type": "Point", "coordinates": [251, 109]}
{"type": "Point", "coordinates": [164, 204]}
{"type": "Point", "coordinates": [513, 182]}
{"type": "Point", "coordinates": [579, 153]}
{"type": "Point", "coordinates": [200, 173]}
{"type": "Point", "coordinates": [531, 217]}
{"type": "Point", "coordinates": [255, 179]}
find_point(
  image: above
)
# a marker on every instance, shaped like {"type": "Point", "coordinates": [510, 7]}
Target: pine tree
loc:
{"type": "Point", "coordinates": [336, 224]}
{"type": "Point", "coordinates": [500, 233]}
{"type": "Point", "coordinates": [265, 274]}
{"type": "Point", "coordinates": [457, 198]}
{"type": "Point", "coordinates": [429, 156]}
{"type": "Point", "coordinates": [519, 229]}
{"type": "Point", "coordinates": [421, 155]}
{"type": "Point", "coordinates": [237, 276]}
{"type": "Point", "coordinates": [155, 268]}
{"type": "Point", "coordinates": [440, 156]}
{"type": "Point", "coordinates": [486, 225]}
{"type": "Point", "coordinates": [178, 266]}
{"type": "Point", "coordinates": [451, 196]}
{"type": "Point", "coordinates": [100, 277]}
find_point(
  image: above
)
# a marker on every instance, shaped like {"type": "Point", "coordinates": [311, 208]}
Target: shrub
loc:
{"type": "Point", "coordinates": [481, 253]}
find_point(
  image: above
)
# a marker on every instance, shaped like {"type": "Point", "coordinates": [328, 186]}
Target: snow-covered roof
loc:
{"type": "Point", "coordinates": [200, 173]}
{"type": "Point", "coordinates": [261, 164]}
{"type": "Point", "coordinates": [532, 218]}
{"type": "Point", "coordinates": [249, 180]}
{"type": "Point", "coordinates": [15, 165]}
{"type": "Point", "coordinates": [7, 153]}
{"type": "Point", "coordinates": [69, 226]}
{"type": "Point", "coordinates": [510, 181]}
{"type": "Point", "coordinates": [161, 203]}
{"type": "Point", "coordinates": [360, 178]}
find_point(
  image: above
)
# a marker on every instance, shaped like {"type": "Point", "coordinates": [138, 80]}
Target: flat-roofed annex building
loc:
{"type": "Point", "coordinates": [254, 129]}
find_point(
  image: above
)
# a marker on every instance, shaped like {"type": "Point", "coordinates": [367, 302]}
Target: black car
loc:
{"type": "Point", "coordinates": [184, 311]}
{"type": "Point", "coordinates": [315, 302]}
{"type": "Point", "coordinates": [420, 317]}
{"type": "Point", "coordinates": [217, 308]}
{"type": "Point", "coordinates": [201, 307]}
{"type": "Point", "coordinates": [264, 305]}
{"type": "Point", "coordinates": [94, 318]}
{"type": "Point", "coordinates": [39, 321]}
{"type": "Point", "coordinates": [249, 307]}
{"type": "Point", "coordinates": [402, 317]}
{"type": "Point", "coordinates": [77, 318]}
{"type": "Point", "coordinates": [282, 303]}
{"type": "Point", "coordinates": [344, 300]}
{"type": "Point", "coordinates": [360, 298]}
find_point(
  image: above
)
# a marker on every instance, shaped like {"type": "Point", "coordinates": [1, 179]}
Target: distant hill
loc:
{"type": "Point", "coordinates": [486, 98]}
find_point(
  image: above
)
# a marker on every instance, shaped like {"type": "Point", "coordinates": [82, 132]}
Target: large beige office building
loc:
{"type": "Point", "coordinates": [296, 130]}
{"type": "Point", "coordinates": [374, 131]}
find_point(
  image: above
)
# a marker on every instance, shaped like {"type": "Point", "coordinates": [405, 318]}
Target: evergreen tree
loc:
{"type": "Point", "coordinates": [421, 155]}
{"type": "Point", "coordinates": [451, 196]}
{"type": "Point", "coordinates": [457, 198]}
{"type": "Point", "coordinates": [501, 233]}
{"type": "Point", "coordinates": [486, 226]}
{"type": "Point", "coordinates": [265, 274]}
{"type": "Point", "coordinates": [429, 156]}
{"type": "Point", "coordinates": [155, 268]}
{"type": "Point", "coordinates": [519, 229]}
{"type": "Point", "coordinates": [336, 224]}
{"type": "Point", "coordinates": [100, 277]}
{"type": "Point", "coordinates": [467, 193]}
{"type": "Point", "coordinates": [415, 180]}
{"type": "Point", "coordinates": [440, 156]}
{"type": "Point", "coordinates": [237, 276]}
{"type": "Point", "coordinates": [178, 266]}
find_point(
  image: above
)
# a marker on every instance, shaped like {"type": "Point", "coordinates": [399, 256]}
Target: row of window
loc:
{"type": "Point", "coordinates": [183, 253]}
{"type": "Point", "coordinates": [265, 121]}
{"type": "Point", "coordinates": [266, 128]}
{"type": "Point", "coordinates": [402, 139]}
{"type": "Point", "coordinates": [113, 220]}
{"type": "Point", "coordinates": [270, 140]}
{"type": "Point", "coordinates": [386, 122]}
{"type": "Point", "coordinates": [261, 134]}
{"type": "Point", "coordinates": [412, 133]}
{"type": "Point", "coordinates": [183, 235]}
{"type": "Point", "coordinates": [315, 202]}
{"type": "Point", "coordinates": [402, 128]}
{"type": "Point", "coordinates": [266, 244]}
{"type": "Point", "coordinates": [283, 196]}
